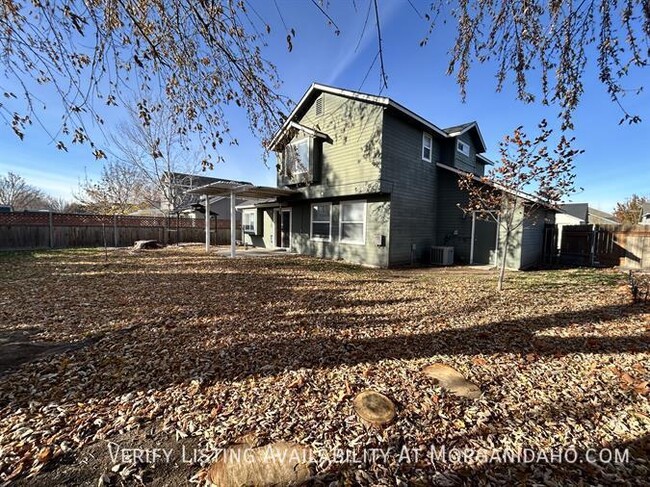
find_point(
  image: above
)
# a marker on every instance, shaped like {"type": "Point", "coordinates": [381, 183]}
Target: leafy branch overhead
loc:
{"type": "Point", "coordinates": [545, 47]}
{"type": "Point", "coordinates": [201, 58]}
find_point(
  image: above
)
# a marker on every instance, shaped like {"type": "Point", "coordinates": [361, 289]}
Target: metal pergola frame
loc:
{"type": "Point", "coordinates": [234, 189]}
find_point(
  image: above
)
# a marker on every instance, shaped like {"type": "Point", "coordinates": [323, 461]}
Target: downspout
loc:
{"type": "Point", "coordinates": [207, 223]}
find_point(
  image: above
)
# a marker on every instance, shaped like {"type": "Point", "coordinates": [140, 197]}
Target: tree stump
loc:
{"type": "Point", "coordinates": [280, 464]}
{"type": "Point", "coordinates": [452, 380]}
{"type": "Point", "coordinates": [374, 408]}
{"type": "Point", "coordinates": [146, 245]}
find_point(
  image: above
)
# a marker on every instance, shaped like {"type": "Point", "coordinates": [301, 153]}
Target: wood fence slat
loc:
{"type": "Point", "coordinates": [28, 230]}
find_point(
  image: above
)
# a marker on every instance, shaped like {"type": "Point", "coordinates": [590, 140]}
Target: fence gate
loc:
{"type": "Point", "coordinates": [606, 245]}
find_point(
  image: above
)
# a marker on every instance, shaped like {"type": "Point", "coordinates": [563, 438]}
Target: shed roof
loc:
{"type": "Point", "coordinates": [242, 189]}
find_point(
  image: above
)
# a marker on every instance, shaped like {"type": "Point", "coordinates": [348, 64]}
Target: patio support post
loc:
{"type": "Point", "coordinates": [207, 223]}
{"type": "Point", "coordinates": [471, 246]}
{"type": "Point", "coordinates": [233, 221]}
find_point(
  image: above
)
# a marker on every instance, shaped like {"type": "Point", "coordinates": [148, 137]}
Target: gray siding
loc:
{"type": "Point", "coordinates": [532, 238]}
{"type": "Point", "coordinates": [527, 240]}
{"type": "Point", "coordinates": [377, 224]}
{"type": "Point", "coordinates": [412, 182]}
{"type": "Point", "coordinates": [454, 228]}
{"type": "Point", "coordinates": [265, 228]}
{"type": "Point", "coordinates": [462, 161]}
{"type": "Point", "coordinates": [351, 163]}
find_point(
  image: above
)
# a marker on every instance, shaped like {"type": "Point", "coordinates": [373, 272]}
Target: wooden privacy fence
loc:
{"type": "Point", "coordinates": [606, 245]}
{"type": "Point", "coordinates": [30, 230]}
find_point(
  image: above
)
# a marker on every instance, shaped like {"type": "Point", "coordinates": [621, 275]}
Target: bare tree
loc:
{"type": "Point", "coordinates": [120, 190]}
{"type": "Point", "coordinates": [630, 210]}
{"type": "Point", "coordinates": [17, 193]}
{"type": "Point", "coordinates": [61, 205]}
{"type": "Point", "coordinates": [157, 153]}
{"type": "Point", "coordinates": [527, 178]}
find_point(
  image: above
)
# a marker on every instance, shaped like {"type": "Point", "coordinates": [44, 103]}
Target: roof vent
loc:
{"type": "Point", "coordinates": [319, 106]}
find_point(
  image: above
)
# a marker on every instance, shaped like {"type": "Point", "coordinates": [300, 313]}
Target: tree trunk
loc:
{"type": "Point", "coordinates": [502, 270]}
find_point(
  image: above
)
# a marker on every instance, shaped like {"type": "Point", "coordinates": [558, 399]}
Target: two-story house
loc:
{"type": "Point", "coordinates": [377, 184]}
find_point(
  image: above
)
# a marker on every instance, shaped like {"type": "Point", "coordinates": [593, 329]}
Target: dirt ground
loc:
{"type": "Point", "coordinates": [136, 369]}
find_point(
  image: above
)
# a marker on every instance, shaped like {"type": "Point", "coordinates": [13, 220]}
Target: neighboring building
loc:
{"type": "Point", "coordinates": [583, 214]}
{"type": "Point", "coordinates": [645, 214]}
{"type": "Point", "coordinates": [175, 200]}
{"type": "Point", "coordinates": [5, 209]}
{"type": "Point", "coordinates": [377, 184]}
{"type": "Point", "coordinates": [219, 206]}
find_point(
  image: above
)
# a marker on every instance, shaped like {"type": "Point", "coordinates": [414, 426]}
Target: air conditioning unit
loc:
{"type": "Point", "coordinates": [442, 255]}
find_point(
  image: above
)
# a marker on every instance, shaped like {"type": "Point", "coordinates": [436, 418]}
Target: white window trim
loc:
{"type": "Point", "coordinates": [305, 168]}
{"type": "Point", "coordinates": [365, 210]}
{"type": "Point", "coordinates": [311, 223]}
{"type": "Point", "coordinates": [464, 144]}
{"type": "Point", "coordinates": [254, 213]}
{"type": "Point", "coordinates": [427, 136]}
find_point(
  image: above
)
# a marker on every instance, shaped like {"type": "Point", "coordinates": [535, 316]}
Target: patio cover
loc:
{"type": "Point", "coordinates": [243, 189]}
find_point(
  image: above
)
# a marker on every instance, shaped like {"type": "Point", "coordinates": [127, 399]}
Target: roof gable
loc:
{"type": "Point", "coordinates": [316, 89]}
{"type": "Point", "coordinates": [458, 130]}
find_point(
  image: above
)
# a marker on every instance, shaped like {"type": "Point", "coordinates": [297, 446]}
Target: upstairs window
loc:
{"type": "Point", "coordinates": [249, 221]}
{"type": "Point", "coordinates": [427, 143]}
{"type": "Point", "coordinates": [462, 147]}
{"type": "Point", "coordinates": [321, 221]}
{"type": "Point", "coordinates": [296, 157]}
{"type": "Point", "coordinates": [353, 222]}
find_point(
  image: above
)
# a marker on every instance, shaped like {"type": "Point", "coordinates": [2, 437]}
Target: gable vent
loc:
{"type": "Point", "coordinates": [320, 107]}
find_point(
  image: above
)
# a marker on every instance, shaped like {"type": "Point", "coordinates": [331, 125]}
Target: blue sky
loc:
{"type": "Point", "coordinates": [615, 164]}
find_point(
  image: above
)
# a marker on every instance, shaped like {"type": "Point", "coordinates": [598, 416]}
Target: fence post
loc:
{"type": "Point", "coordinates": [115, 240]}
{"type": "Point", "coordinates": [51, 228]}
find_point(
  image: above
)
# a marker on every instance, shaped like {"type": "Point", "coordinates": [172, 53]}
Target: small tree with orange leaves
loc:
{"type": "Point", "coordinates": [527, 177]}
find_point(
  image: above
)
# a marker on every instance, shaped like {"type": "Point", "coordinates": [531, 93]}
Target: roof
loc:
{"type": "Point", "coordinates": [578, 210]}
{"type": "Point", "coordinates": [518, 194]}
{"type": "Point", "coordinates": [601, 215]}
{"type": "Point", "coordinates": [317, 88]}
{"type": "Point", "coordinates": [242, 189]}
{"type": "Point", "coordinates": [256, 203]}
{"type": "Point", "coordinates": [185, 180]}
{"type": "Point", "coordinates": [292, 126]}
{"type": "Point", "coordinates": [585, 213]}
{"type": "Point", "coordinates": [458, 130]}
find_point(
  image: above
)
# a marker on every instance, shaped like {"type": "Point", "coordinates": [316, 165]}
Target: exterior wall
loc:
{"type": "Point", "coordinates": [527, 241]}
{"type": "Point", "coordinates": [532, 240]}
{"type": "Point", "coordinates": [265, 228]}
{"type": "Point", "coordinates": [412, 182]}
{"type": "Point", "coordinates": [351, 163]}
{"type": "Point", "coordinates": [561, 220]}
{"type": "Point", "coordinates": [513, 257]}
{"type": "Point", "coordinates": [377, 223]}
{"type": "Point", "coordinates": [454, 228]}
{"type": "Point", "coordinates": [461, 161]}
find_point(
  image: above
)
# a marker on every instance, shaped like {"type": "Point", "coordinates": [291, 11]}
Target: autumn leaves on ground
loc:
{"type": "Point", "coordinates": [186, 352]}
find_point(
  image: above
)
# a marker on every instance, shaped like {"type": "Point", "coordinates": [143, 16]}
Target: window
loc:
{"type": "Point", "coordinates": [249, 221]}
{"type": "Point", "coordinates": [462, 147]}
{"type": "Point", "coordinates": [321, 221]}
{"type": "Point", "coordinates": [427, 142]}
{"type": "Point", "coordinates": [320, 107]}
{"type": "Point", "coordinates": [353, 222]}
{"type": "Point", "coordinates": [296, 157]}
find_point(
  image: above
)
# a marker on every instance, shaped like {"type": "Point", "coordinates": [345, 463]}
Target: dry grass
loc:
{"type": "Point", "coordinates": [189, 345]}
